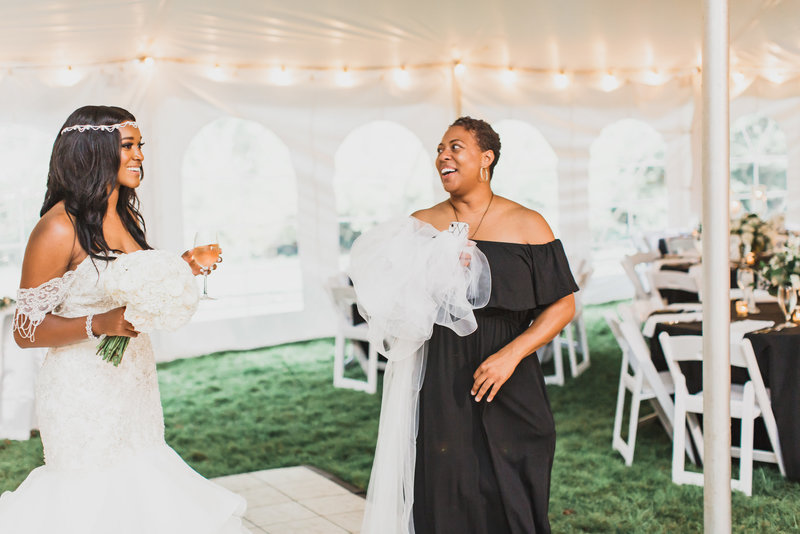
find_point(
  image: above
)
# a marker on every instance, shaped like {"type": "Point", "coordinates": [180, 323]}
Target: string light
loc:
{"type": "Point", "coordinates": [401, 77]}
{"type": "Point", "coordinates": [560, 80]}
{"type": "Point", "coordinates": [66, 77]}
{"type": "Point", "coordinates": [609, 82]}
{"type": "Point", "coordinates": [509, 76]}
{"type": "Point", "coordinates": [775, 76]}
{"type": "Point", "coordinates": [344, 78]}
{"type": "Point", "coordinates": [653, 77]}
{"type": "Point", "coordinates": [218, 73]}
{"type": "Point", "coordinates": [281, 76]}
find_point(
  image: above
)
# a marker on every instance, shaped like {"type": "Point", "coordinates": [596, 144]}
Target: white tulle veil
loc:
{"type": "Point", "coordinates": [409, 276]}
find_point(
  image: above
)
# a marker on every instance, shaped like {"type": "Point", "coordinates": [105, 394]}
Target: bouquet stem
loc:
{"type": "Point", "coordinates": [112, 348]}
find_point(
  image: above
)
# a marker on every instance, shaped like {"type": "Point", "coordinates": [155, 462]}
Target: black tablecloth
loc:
{"type": "Point", "coordinates": [673, 296]}
{"type": "Point", "coordinates": [778, 355]}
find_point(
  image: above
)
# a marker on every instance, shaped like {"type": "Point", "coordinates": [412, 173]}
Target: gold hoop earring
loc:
{"type": "Point", "coordinates": [484, 174]}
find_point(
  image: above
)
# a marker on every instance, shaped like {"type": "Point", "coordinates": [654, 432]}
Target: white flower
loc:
{"type": "Point", "coordinates": [157, 288]}
{"type": "Point", "coordinates": [747, 238]}
{"type": "Point", "coordinates": [795, 280]}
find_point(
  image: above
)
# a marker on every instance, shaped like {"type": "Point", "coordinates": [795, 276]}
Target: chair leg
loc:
{"type": "Point", "coordinates": [338, 361]}
{"type": "Point", "coordinates": [578, 368]}
{"type": "Point", "coordinates": [569, 330]}
{"type": "Point", "coordinates": [557, 378]}
{"type": "Point", "coordinates": [678, 442]}
{"type": "Point", "coordinates": [745, 482]}
{"type": "Point", "coordinates": [696, 431]}
{"type": "Point", "coordinates": [633, 424]}
{"type": "Point", "coordinates": [372, 370]}
{"type": "Point", "coordinates": [774, 439]}
{"type": "Point", "coordinates": [617, 443]}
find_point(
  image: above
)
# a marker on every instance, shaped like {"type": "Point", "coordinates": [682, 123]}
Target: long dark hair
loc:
{"type": "Point", "coordinates": [83, 172]}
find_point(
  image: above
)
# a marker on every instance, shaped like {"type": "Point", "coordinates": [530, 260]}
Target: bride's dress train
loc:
{"type": "Point", "coordinates": [107, 466]}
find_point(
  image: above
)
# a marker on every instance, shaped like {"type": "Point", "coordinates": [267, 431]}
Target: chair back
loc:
{"type": "Point", "coordinates": [630, 264]}
{"type": "Point", "coordinates": [680, 349]}
{"type": "Point", "coordinates": [681, 245]}
{"type": "Point", "coordinates": [666, 279]}
{"type": "Point", "coordinates": [613, 322]}
{"type": "Point", "coordinates": [343, 296]}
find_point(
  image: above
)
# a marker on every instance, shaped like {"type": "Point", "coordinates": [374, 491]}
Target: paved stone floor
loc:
{"type": "Point", "coordinates": [296, 500]}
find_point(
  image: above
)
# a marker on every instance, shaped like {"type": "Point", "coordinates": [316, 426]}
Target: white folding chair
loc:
{"type": "Point", "coordinates": [634, 266]}
{"type": "Point", "coordinates": [567, 337]}
{"type": "Point", "coordinates": [638, 376]}
{"type": "Point", "coordinates": [762, 395]}
{"type": "Point", "coordinates": [344, 297]}
{"type": "Point", "coordinates": [743, 406]}
{"type": "Point", "coordinates": [665, 279]}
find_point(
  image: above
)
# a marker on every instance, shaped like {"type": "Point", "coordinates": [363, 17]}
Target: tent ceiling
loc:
{"type": "Point", "coordinates": [542, 34]}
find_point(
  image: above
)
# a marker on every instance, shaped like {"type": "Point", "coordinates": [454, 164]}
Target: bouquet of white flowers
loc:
{"type": "Point", "coordinates": [755, 234]}
{"type": "Point", "coordinates": [159, 293]}
{"type": "Point", "coordinates": [783, 268]}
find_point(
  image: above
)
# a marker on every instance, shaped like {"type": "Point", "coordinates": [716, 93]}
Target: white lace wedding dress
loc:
{"type": "Point", "coordinates": [107, 467]}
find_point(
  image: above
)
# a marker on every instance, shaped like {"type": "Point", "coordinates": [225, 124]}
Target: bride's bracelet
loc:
{"type": "Point", "coordinates": [89, 332]}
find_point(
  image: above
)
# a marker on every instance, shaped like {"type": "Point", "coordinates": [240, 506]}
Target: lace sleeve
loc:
{"type": "Point", "coordinates": [36, 302]}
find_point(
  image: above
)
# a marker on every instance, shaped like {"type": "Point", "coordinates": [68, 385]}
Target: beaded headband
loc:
{"type": "Point", "coordinates": [104, 127]}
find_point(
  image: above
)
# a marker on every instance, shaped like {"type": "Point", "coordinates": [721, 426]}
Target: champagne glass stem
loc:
{"type": "Point", "coordinates": [205, 285]}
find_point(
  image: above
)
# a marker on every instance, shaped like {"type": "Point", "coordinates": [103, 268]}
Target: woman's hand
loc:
{"type": "Point", "coordinates": [113, 323]}
{"type": "Point", "coordinates": [466, 255]}
{"type": "Point", "coordinates": [492, 374]}
{"type": "Point", "coordinates": [197, 269]}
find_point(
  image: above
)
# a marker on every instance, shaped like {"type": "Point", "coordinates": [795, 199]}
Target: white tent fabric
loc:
{"type": "Point", "coordinates": [211, 60]}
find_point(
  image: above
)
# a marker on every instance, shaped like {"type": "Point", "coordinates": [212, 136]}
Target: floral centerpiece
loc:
{"type": "Point", "coordinates": [783, 268]}
{"type": "Point", "coordinates": [5, 302]}
{"type": "Point", "coordinates": [755, 234]}
{"type": "Point", "coordinates": [159, 293]}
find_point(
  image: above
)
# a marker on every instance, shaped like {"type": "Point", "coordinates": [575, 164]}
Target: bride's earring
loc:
{"type": "Point", "coordinates": [484, 174]}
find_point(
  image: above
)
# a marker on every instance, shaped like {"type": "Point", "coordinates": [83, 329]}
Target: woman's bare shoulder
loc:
{"type": "Point", "coordinates": [51, 248]}
{"type": "Point", "coordinates": [438, 216]}
{"type": "Point", "coordinates": [532, 225]}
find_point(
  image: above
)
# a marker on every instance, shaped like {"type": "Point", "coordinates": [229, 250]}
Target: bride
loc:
{"type": "Point", "coordinates": [107, 466]}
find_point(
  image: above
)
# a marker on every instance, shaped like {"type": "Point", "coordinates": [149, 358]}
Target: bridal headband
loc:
{"type": "Point", "coordinates": [104, 127]}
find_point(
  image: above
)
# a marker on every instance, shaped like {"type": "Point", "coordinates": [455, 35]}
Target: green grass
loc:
{"type": "Point", "coordinates": [243, 411]}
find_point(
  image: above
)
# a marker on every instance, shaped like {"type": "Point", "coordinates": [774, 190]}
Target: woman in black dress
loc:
{"type": "Point", "coordinates": [486, 435]}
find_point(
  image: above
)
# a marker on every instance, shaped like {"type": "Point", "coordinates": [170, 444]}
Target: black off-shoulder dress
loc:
{"type": "Point", "coordinates": [484, 468]}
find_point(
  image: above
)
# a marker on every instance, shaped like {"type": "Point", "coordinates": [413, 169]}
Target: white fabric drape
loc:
{"type": "Point", "coordinates": [408, 276]}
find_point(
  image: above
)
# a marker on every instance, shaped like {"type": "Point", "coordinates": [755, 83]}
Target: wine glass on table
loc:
{"type": "Point", "coordinates": [206, 253]}
{"type": "Point", "coordinates": [787, 301]}
{"type": "Point", "coordinates": [746, 279]}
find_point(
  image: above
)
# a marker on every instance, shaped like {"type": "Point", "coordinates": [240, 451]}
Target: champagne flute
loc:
{"type": "Point", "coordinates": [206, 253]}
{"type": "Point", "coordinates": [787, 301]}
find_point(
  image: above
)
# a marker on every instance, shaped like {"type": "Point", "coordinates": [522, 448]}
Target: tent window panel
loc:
{"type": "Point", "coordinates": [381, 171]}
{"type": "Point", "coordinates": [626, 182]}
{"type": "Point", "coordinates": [527, 171]}
{"type": "Point", "coordinates": [25, 153]}
{"type": "Point", "coordinates": [238, 179]}
{"type": "Point", "coordinates": [758, 165]}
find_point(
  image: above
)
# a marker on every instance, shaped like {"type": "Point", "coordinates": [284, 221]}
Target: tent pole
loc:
{"type": "Point", "coordinates": [716, 288]}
